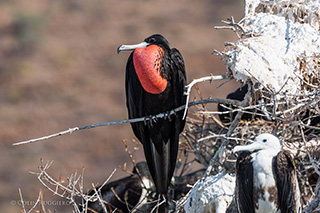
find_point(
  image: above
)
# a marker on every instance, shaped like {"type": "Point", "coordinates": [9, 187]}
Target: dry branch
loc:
{"type": "Point", "coordinates": [146, 118]}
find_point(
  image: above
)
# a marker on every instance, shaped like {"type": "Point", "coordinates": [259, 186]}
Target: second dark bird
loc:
{"type": "Point", "coordinates": [155, 82]}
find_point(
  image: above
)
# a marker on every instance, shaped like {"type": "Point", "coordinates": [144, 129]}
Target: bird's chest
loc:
{"type": "Point", "coordinates": [158, 103]}
{"type": "Point", "coordinates": [264, 186]}
{"type": "Point", "coordinates": [262, 164]}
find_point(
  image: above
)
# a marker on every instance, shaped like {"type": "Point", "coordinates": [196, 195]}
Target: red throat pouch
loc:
{"type": "Point", "coordinates": [147, 63]}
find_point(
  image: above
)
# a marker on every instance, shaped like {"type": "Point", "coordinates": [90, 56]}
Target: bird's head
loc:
{"type": "Point", "coordinates": [150, 63]}
{"type": "Point", "coordinates": [155, 39]}
{"type": "Point", "coordinates": [264, 141]}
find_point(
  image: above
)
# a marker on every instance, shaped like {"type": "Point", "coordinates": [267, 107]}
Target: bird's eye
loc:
{"type": "Point", "coordinates": [152, 40]}
{"type": "Point", "coordinates": [264, 140]}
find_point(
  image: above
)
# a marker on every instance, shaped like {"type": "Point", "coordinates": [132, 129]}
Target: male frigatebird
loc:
{"type": "Point", "coordinates": [155, 82]}
{"type": "Point", "coordinates": [266, 178]}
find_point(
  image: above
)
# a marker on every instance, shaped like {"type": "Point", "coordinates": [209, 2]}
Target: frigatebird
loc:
{"type": "Point", "coordinates": [226, 116]}
{"type": "Point", "coordinates": [266, 179]}
{"type": "Point", "coordinates": [155, 82]}
{"type": "Point", "coordinates": [122, 195]}
{"type": "Point", "coordinates": [239, 95]}
{"type": "Point", "coordinates": [132, 193]}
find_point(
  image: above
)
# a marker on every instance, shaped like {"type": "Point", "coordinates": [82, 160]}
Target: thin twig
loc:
{"type": "Point", "coordinates": [134, 120]}
{"type": "Point", "coordinates": [233, 125]}
{"type": "Point", "coordinates": [22, 201]}
{"type": "Point", "coordinates": [71, 130]}
{"type": "Point", "coordinates": [223, 144]}
{"type": "Point", "coordinates": [189, 87]}
{"type": "Point", "coordinates": [234, 26]}
{"type": "Point", "coordinates": [155, 208]}
{"type": "Point", "coordinates": [100, 200]}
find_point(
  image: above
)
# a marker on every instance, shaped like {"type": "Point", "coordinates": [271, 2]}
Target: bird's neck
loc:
{"type": "Point", "coordinates": [147, 63]}
{"type": "Point", "coordinates": [262, 164]}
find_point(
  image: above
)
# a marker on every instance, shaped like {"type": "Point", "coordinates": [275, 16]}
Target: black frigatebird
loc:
{"type": "Point", "coordinates": [311, 118]}
{"type": "Point", "coordinates": [155, 82]}
{"type": "Point", "coordinates": [250, 114]}
{"type": "Point", "coordinates": [266, 178]}
{"type": "Point", "coordinates": [122, 195]}
{"type": "Point", "coordinates": [239, 95]}
{"type": "Point", "coordinates": [132, 193]}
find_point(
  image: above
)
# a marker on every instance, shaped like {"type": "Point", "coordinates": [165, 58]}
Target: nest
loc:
{"type": "Point", "coordinates": [277, 59]}
{"type": "Point", "coordinates": [295, 122]}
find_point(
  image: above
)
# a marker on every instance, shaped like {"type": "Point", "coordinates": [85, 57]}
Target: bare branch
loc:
{"type": "Point", "coordinates": [48, 137]}
{"type": "Point", "coordinates": [189, 87]}
{"type": "Point", "coordinates": [234, 26]}
{"type": "Point", "coordinates": [22, 201]}
{"type": "Point", "coordinates": [134, 120]}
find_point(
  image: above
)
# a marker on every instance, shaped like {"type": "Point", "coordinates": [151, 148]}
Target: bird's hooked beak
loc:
{"type": "Point", "coordinates": [132, 47]}
{"type": "Point", "coordinates": [250, 147]}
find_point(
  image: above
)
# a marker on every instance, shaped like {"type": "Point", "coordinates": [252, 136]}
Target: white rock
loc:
{"type": "Point", "coordinates": [283, 36]}
{"type": "Point", "coordinates": [213, 194]}
{"type": "Point", "coordinates": [270, 57]}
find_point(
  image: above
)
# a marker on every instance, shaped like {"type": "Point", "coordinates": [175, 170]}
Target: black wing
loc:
{"type": "Point", "coordinates": [160, 140]}
{"type": "Point", "coordinates": [285, 176]}
{"type": "Point", "coordinates": [179, 84]}
{"type": "Point", "coordinates": [178, 87]}
{"type": "Point", "coordinates": [165, 153]}
{"type": "Point", "coordinates": [123, 195]}
{"type": "Point", "coordinates": [244, 183]}
{"type": "Point", "coordinates": [239, 95]}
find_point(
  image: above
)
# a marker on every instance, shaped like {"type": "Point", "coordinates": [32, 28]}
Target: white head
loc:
{"type": "Point", "coordinates": [264, 141]}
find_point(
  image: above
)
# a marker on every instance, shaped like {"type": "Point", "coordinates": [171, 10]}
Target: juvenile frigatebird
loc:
{"type": "Point", "coordinates": [266, 179]}
{"type": "Point", "coordinates": [155, 82]}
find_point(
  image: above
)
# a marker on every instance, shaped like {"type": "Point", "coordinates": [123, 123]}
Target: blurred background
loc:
{"type": "Point", "coordinates": [59, 69]}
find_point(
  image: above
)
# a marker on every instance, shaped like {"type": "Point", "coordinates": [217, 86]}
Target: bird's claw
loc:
{"type": "Point", "coordinates": [168, 115]}
{"type": "Point", "coordinates": [149, 120]}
